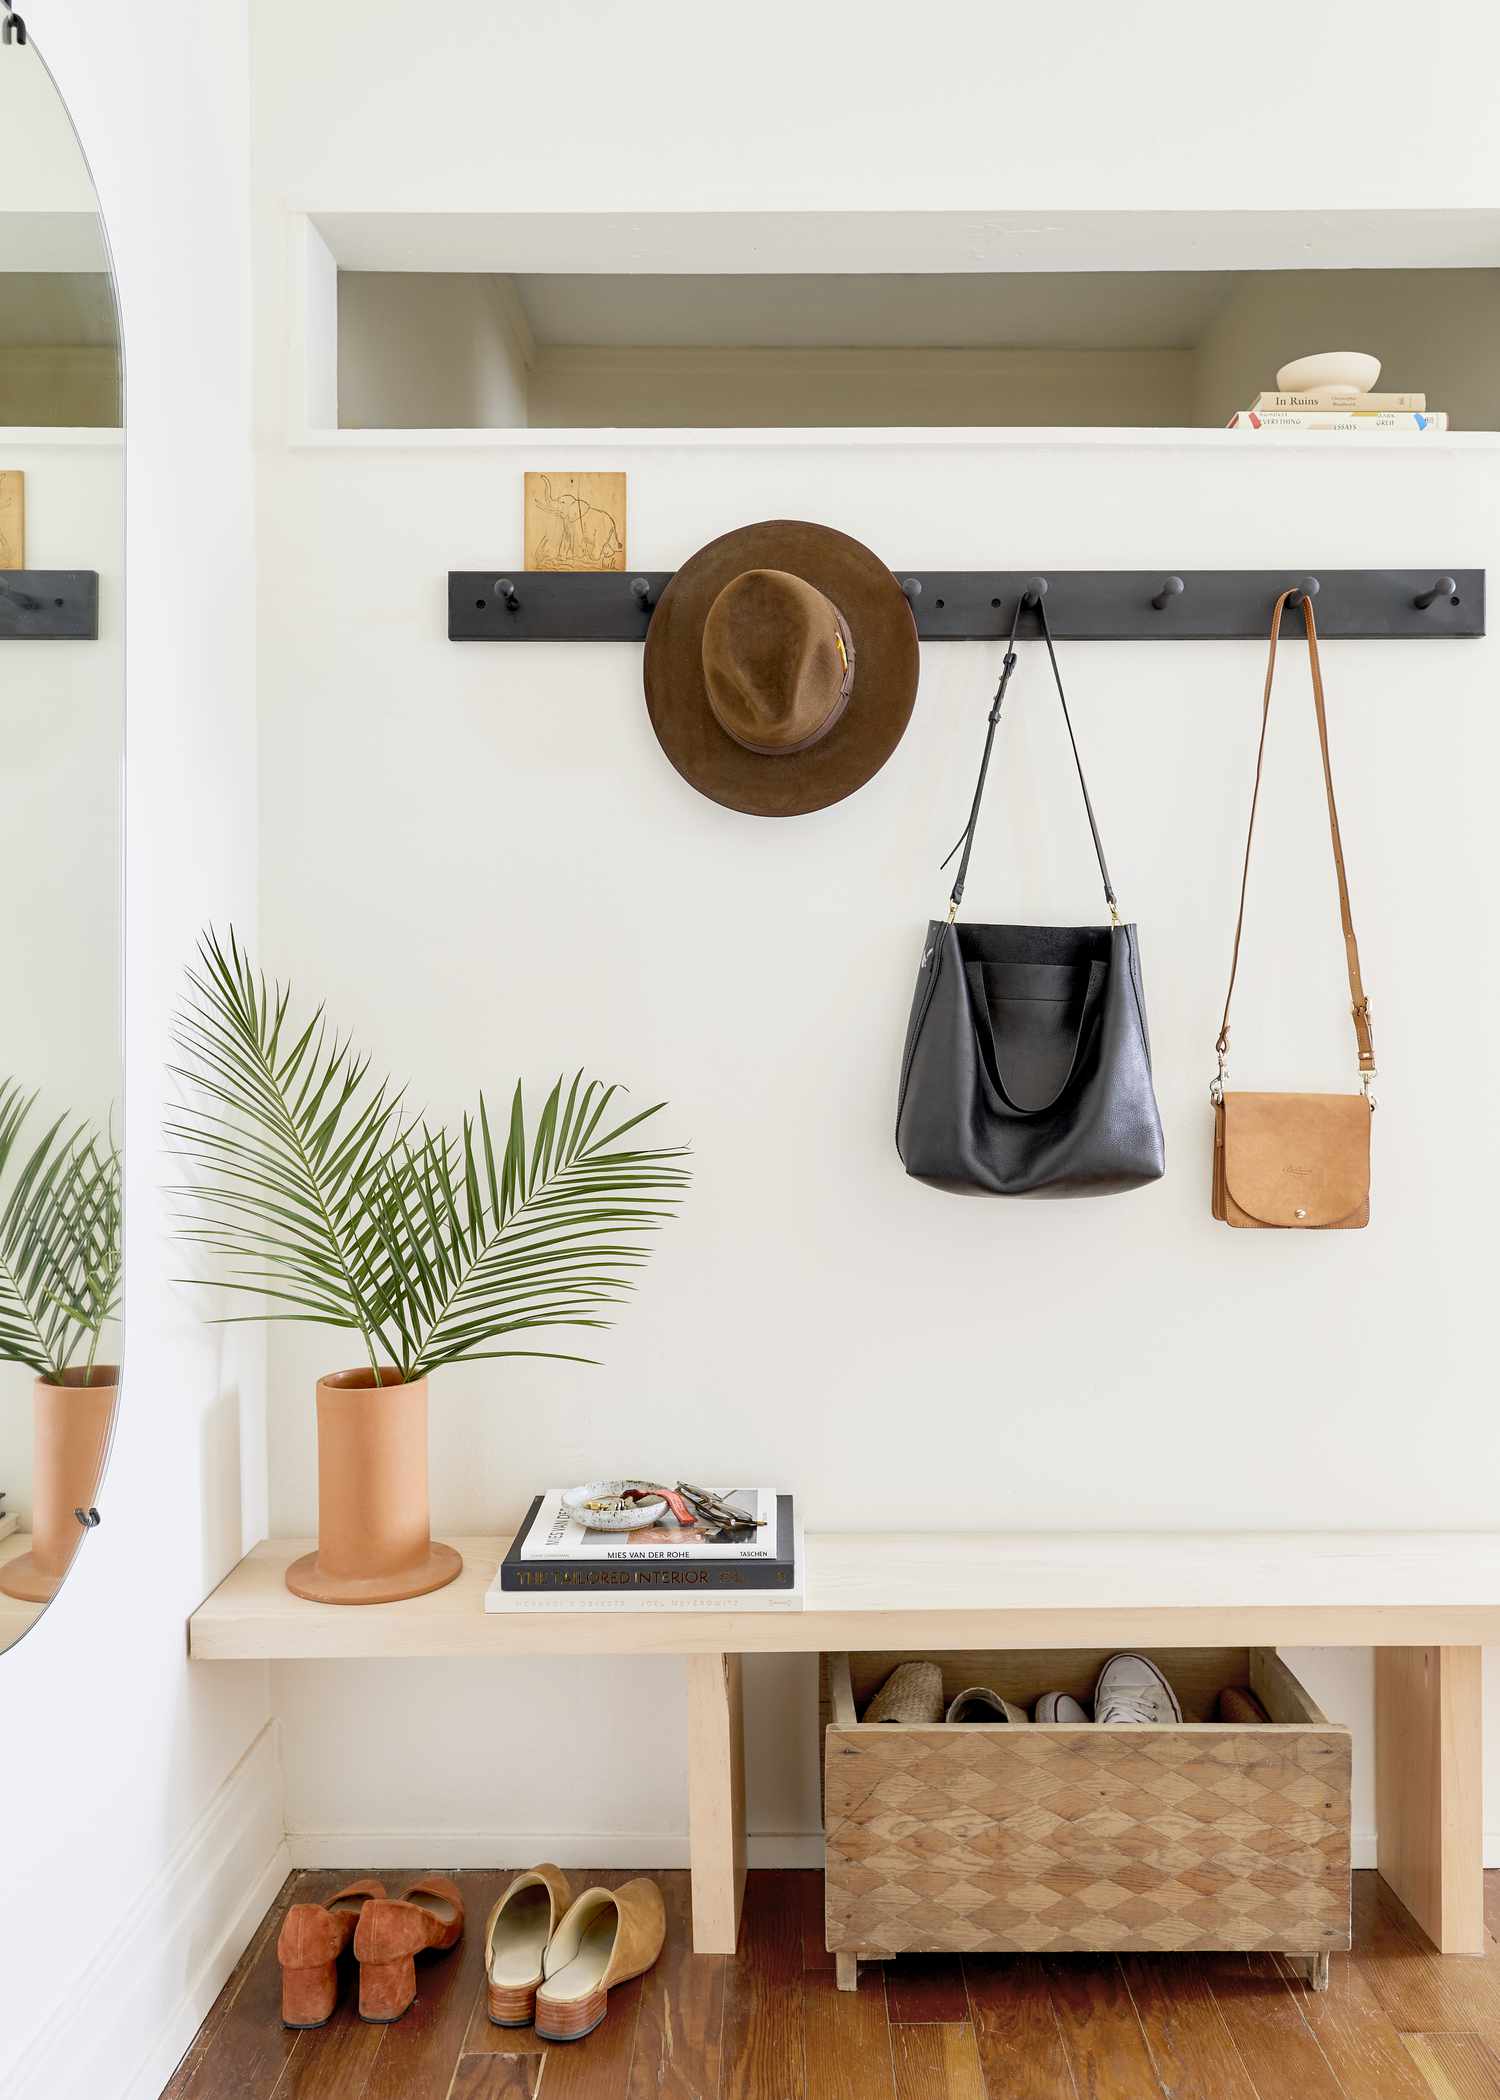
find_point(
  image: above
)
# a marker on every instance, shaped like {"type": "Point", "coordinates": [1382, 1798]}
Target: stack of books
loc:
{"type": "Point", "coordinates": [1340, 408]}
{"type": "Point", "coordinates": [555, 1564]}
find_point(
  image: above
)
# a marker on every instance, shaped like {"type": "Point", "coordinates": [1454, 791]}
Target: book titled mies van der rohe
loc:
{"type": "Point", "coordinates": [775, 1571]}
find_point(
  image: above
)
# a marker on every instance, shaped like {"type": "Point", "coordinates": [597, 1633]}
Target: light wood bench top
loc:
{"type": "Point", "coordinates": [933, 1590]}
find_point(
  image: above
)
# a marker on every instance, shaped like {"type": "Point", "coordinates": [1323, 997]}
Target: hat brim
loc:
{"type": "Point", "coordinates": [886, 659]}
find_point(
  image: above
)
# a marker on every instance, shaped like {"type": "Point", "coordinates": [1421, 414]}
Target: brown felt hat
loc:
{"type": "Point", "coordinates": [781, 668]}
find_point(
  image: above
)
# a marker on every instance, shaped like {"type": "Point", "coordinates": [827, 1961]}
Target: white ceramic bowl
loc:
{"type": "Point", "coordinates": [628, 1519]}
{"type": "Point", "coordinates": [1330, 368]}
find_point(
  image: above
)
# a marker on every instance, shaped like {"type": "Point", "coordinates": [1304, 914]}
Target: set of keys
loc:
{"type": "Point", "coordinates": [690, 1506]}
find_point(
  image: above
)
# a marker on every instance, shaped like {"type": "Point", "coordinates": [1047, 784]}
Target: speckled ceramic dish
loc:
{"type": "Point", "coordinates": [631, 1518]}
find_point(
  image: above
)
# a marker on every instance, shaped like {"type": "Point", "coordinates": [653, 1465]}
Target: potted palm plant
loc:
{"type": "Point", "coordinates": [59, 1285]}
{"type": "Point", "coordinates": [319, 1191]}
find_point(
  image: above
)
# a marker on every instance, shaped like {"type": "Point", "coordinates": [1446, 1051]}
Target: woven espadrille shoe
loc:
{"type": "Point", "coordinates": [911, 1695]}
{"type": "Point", "coordinates": [608, 1936]}
{"type": "Point", "coordinates": [979, 1703]}
{"type": "Point", "coordinates": [515, 1940]}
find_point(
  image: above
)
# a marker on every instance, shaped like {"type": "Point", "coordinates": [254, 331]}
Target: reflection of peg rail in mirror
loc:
{"type": "Point", "coordinates": [1095, 605]}
{"type": "Point", "coordinates": [49, 605]}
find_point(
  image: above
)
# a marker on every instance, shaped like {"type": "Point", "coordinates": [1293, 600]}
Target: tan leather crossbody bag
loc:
{"type": "Point", "coordinates": [1296, 1162]}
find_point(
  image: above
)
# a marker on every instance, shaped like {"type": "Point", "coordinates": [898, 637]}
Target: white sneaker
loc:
{"type": "Point", "coordinates": [1132, 1693]}
{"type": "Point", "coordinates": [1054, 1707]}
{"type": "Point", "coordinates": [979, 1703]}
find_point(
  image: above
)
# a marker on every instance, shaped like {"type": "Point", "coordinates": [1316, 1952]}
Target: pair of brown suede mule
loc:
{"type": "Point", "coordinates": [550, 1959]}
{"type": "Point", "coordinates": [387, 1936]}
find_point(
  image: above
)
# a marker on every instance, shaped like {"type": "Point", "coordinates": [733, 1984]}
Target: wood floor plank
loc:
{"type": "Point", "coordinates": [268, 1928]}
{"type": "Point", "coordinates": [926, 1987]}
{"type": "Point", "coordinates": [1421, 1990]}
{"type": "Point", "coordinates": [1454, 2066]}
{"type": "Point", "coordinates": [251, 2049]}
{"type": "Point", "coordinates": [492, 2077]}
{"type": "Point", "coordinates": [815, 1954]}
{"type": "Point", "coordinates": [1192, 2050]}
{"type": "Point", "coordinates": [1356, 2034]}
{"type": "Point", "coordinates": [421, 2048]}
{"type": "Point", "coordinates": [763, 2056]}
{"type": "Point", "coordinates": [936, 2063]}
{"type": "Point", "coordinates": [680, 2025]}
{"type": "Point", "coordinates": [847, 2037]}
{"type": "Point", "coordinates": [1016, 2033]}
{"type": "Point", "coordinates": [1276, 2045]}
{"type": "Point", "coordinates": [1105, 2041]}
{"type": "Point", "coordinates": [598, 2067]}
{"type": "Point", "coordinates": [332, 2062]}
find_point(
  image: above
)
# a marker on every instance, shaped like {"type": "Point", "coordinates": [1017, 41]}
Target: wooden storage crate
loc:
{"type": "Point", "coordinates": [1076, 1839]}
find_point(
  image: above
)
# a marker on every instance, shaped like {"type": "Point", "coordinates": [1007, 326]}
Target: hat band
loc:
{"type": "Point", "coordinates": [834, 715]}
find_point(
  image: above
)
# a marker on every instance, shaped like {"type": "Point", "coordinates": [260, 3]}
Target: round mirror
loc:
{"type": "Point", "coordinates": [61, 719]}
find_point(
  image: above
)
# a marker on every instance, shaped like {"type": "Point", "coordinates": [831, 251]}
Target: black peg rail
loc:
{"type": "Point", "coordinates": [977, 605]}
{"type": "Point", "coordinates": [49, 605]}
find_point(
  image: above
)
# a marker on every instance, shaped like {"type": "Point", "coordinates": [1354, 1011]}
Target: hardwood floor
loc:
{"type": "Point", "coordinates": [1399, 2022]}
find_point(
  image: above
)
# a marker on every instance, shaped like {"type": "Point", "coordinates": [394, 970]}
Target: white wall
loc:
{"type": "Point", "coordinates": [544, 889]}
{"type": "Point", "coordinates": [899, 1356]}
{"type": "Point", "coordinates": [142, 1811]}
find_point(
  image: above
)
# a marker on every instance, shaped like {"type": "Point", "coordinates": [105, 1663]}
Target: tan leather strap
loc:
{"type": "Point", "coordinates": [1359, 1002]}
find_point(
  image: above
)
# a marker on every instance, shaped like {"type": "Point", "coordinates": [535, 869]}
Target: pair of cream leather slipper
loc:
{"type": "Point", "coordinates": [551, 1959]}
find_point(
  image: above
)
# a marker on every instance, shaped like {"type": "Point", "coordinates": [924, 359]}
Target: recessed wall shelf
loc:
{"type": "Point", "coordinates": [49, 605]}
{"type": "Point", "coordinates": [1087, 605]}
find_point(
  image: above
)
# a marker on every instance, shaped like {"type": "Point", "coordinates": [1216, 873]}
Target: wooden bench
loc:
{"type": "Point", "coordinates": [1426, 1602]}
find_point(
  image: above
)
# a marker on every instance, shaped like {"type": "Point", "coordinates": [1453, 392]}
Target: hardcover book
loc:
{"type": "Point", "coordinates": [1433, 419]}
{"type": "Point", "coordinates": [553, 1558]}
{"type": "Point", "coordinates": [1338, 397]}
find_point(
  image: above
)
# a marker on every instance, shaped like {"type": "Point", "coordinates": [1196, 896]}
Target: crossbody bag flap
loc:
{"type": "Point", "coordinates": [1296, 1160]}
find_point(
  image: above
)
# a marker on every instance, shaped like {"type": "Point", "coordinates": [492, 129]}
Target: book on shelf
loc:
{"type": "Point", "coordinates": [555, 1563]}
{"type": "Point", "coordinates": [1417, 422]}
{"type": "Point", "coordinates": [1340, 397]}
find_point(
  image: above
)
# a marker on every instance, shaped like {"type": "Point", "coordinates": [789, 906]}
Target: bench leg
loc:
{"type": "Point", "coordinates": [1428, 1782]}
{"type": "Point", "coordinates": [716, 1800]}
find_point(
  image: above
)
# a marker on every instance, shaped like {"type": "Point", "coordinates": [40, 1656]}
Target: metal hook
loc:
{"type": "Point", "coordinates": [640, 590]}
{"type": "Point", "coordinates": [1173, 587]}
{"type": "Point", "coordinates": [1035, 591]}
{"type": "Point", "coordinates": [911, 588]}
{"type": "Point", "coordinates": [12, 29]}
{"type": "Point", "coordinates": [88, 1518]}
{"type": "Point", "coordinates": [1443, 588]}
{"type": "Point", "coordinates": [1308, 588]}
{"type": "Point", "coordinates": [505, 591]}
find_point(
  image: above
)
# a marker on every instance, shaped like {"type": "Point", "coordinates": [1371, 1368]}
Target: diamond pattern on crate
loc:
{"type": "Point", "coordinates": [1151, 1839]}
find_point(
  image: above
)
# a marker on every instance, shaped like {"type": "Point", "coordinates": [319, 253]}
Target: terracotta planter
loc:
{"type": "Point", "coordinates": [72, 1422]}
{"type": "Point", "coordinates": [374, 1545]}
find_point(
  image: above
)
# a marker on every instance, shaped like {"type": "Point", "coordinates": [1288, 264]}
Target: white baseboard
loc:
{"type": "Point", "coordinates": [435, 1849]}
{"type": "Point", "coordinates": [163, 1965]}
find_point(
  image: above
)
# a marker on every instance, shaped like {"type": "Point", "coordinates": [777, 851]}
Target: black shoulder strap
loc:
{"type": "Point", "coordinates": [966, 839]}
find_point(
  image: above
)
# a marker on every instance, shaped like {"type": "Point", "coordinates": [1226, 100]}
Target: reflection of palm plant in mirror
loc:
{"type": "Point", "coordinates": [331, 1199]}
{"type": "Point", "coordinates": [59, 1240]}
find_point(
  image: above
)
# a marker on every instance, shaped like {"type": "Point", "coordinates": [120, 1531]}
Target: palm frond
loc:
{"type": "Point", "coordinates": [316, 1188]}
{"type": "Point", "coordinates": [60, 1239]}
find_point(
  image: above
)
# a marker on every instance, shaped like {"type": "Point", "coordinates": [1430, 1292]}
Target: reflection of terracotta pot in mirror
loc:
{"type": "Point", "coordinates": [72, 1430]}
{"type": "Point", "coordinates": [374, 1545]}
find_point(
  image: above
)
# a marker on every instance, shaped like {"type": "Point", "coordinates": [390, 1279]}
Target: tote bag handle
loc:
{"type": "Point", "coordinates": [966, 838]}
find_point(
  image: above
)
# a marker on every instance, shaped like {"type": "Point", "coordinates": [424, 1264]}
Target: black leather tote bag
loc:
{"type": "Point", "coordinates": [1027, 1068]}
